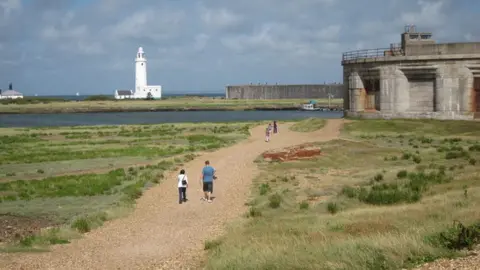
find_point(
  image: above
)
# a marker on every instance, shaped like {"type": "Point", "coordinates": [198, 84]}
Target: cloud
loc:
{"type": "Point", "coordinates": [430, 14]}
{"type": "Point", "coordinates": [52, 46]}
{"type": "Point", "coordinates": [220, 18]}
{"type": "Point", "coordinates": [147, 24]}
{"type": "Point", "coordinates": [9, 6]}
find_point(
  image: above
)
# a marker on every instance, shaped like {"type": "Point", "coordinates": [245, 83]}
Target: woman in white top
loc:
{"type": "Point", "coordinates": [182, 187]}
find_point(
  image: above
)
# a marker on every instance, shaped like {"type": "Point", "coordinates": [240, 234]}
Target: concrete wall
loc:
{"type": "Point", "coordinates": [421, 95]}
{"type": "Point", "coordinates": [442, 49]}
{"type": "Point", "coordinates": [284, 91]}
{"type": "Point", "coordinates": [415, 89]}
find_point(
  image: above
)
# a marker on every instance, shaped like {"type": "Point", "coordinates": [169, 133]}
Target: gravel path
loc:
{"type": "Point", "coordinates": [471, 262]}
{"type": "Point", "coordinates": [160, 233]}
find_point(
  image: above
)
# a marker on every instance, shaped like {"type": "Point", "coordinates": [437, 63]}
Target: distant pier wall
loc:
{"type": "Point", "coordinates": [283, 91]}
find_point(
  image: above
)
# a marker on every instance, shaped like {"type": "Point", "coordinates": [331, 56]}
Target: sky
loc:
{"type": "Point", "coordinates": [60, 47]}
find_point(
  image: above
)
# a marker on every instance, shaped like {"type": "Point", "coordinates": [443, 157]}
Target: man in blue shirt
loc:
{"type": "Point", "coordinates": [208, 175]}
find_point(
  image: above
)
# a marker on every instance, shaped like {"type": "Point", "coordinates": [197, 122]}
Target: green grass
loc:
{"type": "Point", "coordinates": [308, 125]}
{"type": "Point", "coordinates": [29, 105]}
{"type": "Point", "coordinates": [21, 146]}
{"type": "Point", "coordinates": [380, 200]}
{"type": "Point", "coordinates": [79, 177]}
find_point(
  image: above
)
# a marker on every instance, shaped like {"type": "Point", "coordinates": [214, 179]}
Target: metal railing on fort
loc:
{"type": "Point", "coordinates": [394, 50]}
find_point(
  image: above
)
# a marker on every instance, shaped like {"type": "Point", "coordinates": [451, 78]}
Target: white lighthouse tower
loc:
{"type": "Point", "coordinates": [142, 89]}
{"type": "Point", "coordinates": [140, 70]}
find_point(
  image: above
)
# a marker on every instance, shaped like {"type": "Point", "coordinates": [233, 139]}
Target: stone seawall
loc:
{"type": "Point", "coordinates": [411, 115]}
{"type": "Point", "coordinates": [284, 91]}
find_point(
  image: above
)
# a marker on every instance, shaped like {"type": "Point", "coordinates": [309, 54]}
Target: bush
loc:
{"type": "Point", "coordinates": [40, 171]}
{"type": "Point", "coordinates": [82, 225]}
{"type": "Point", "coordinates": [254, 212]}
{"type": "Point", "coordinates": [474, 148]}
{"type": "Point", "coordinates": [264, 188]}
{"type": "Point", "coordinates": [387, 194]}
{"type": "Point", "coordinates": [417, 159]}
{"type": "Point", "coordinates": [472, 161]}
{"type": "Point", "coordinates": [458, 236]}
{"type": "Point", "coordinates": [455, 154]}
{"type": "Point", "coordinates": [332, 208]}
{"type": "Point", "coordinates": [99, 98]}
{"type": "Point", "coordinates": [406, 156]}
{"type": "Point", "coordinates": [350, 192]}
{"type": "Point", "coordinates": [402, 174]}
{"type": "Point", "coordinates": [275, 200]}
{"type": "Point", "coordinates": [304, 205]}
{"type": "Point", "coordinates": [212, 244]}
{"type": "Point", "coordinates": [426, 140]}
{"type": "Point", "coordinates": [378, 177]}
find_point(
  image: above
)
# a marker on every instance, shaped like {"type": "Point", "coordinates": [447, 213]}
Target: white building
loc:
{"type": "Point", "coordinates": [142, 89]}
{"type": "Point", "coordinates": [10, 94]}
{"type": "Point", "coordinates": [123, 94]}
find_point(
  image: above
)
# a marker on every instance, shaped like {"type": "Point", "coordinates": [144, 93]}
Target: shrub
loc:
{"type": "Point", "coordinates": [387, 194]}
{"type": "Point", "coordinates": [212, 244]}
{"type": "Point", "coordinates": [472, 161]}
{"type": "Point", "coordinates": [264, 188]}
{"type": "Point", "coordinates": [275, 200]}
{"type": "Point", "coordinates": [99, 98]}
{"type": "Point", "coordinates": [406, 156]}
{"type": "Point", "coordinates": [81, 225]}
{"type": "Point", "coordinates": [378, 177]}
{"type": "Point", "coordinates": [426, 140]}
{"type": "Point", "coordinates": [458, 236]}
{"type": "Point", "coordinates": [455, 154]}
{"type": "Point", "coordinates": [350, 192]}
{"type": "Point", "coordinates": [332, 208]}
{"type": "Point", "coordinates": [417, 159]}
{"type": "Point", "coordinates": [402, 174]}
{"type": "Point", "coordinates": [40, 171]}
{"type": "Point", "coordinates": [474, 148]}
{"type": "Point", "coordinates": [254, 212]}
{"type": "Point", "coordinates": [304, 205]}
{"type": "Point", "coordinates": [452, 140]}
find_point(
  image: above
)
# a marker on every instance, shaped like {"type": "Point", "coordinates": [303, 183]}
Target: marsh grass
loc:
{"type": "Point", "coordinates": [33, 146]}
{"type": "Point", "coordinates": [308, 125]}
{"type": "Point", "coordinates": [366, 210]}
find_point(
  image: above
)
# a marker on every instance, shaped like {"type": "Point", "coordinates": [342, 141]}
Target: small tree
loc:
{"type": "Point", "coordinates": [149, 96]}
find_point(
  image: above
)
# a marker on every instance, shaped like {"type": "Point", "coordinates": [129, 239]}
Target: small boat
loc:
{"type": "Point", "coordinates": [309, 107]}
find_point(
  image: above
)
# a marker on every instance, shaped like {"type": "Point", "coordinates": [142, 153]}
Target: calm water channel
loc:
{"type": "Point", "coordinates": [125, 118]}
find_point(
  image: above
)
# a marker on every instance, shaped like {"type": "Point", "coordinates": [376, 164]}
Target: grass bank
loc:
{"type": "Point", "coordinates": [308, 125]}
{"type": "Point", "coordinates": [385, 198]}
{"type": "Point", "coordinates": [57, 183]}
{"type": "Point", "coordinates": [174, 104]}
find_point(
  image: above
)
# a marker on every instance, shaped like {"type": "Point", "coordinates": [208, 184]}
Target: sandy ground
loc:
{"type": "Point", "coordinates": [162, 234]}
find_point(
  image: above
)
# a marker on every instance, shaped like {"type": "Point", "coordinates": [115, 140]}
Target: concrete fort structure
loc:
{"type": "Point", "coordinates": [418, 78]}
{"type": "Point", "coordinates": [284, 91]}
{"type": "Point", "coordinates": [142, 89]}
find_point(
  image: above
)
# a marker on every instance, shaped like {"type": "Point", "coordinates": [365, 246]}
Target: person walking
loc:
{"type": "Point", "coordinates": [208, 175]}
{"type": "Point", "coordinates": [275, 127]}
{"type": "Point", "coordinates": [267, 134]}
{"type": "Point", "coordinates": [182, 186]}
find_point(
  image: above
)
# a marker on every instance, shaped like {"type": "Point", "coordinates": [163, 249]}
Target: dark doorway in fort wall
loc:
{"type": "Point", "coordinates": [476, 95]}
{"type": "Point", "coordinates": [372, 94]}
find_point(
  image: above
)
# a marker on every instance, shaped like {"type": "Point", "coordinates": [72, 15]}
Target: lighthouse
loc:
{"type": "Point", "coordinates": [142, 90]}
{"type": "Point", "coordinates": [140, 70]}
